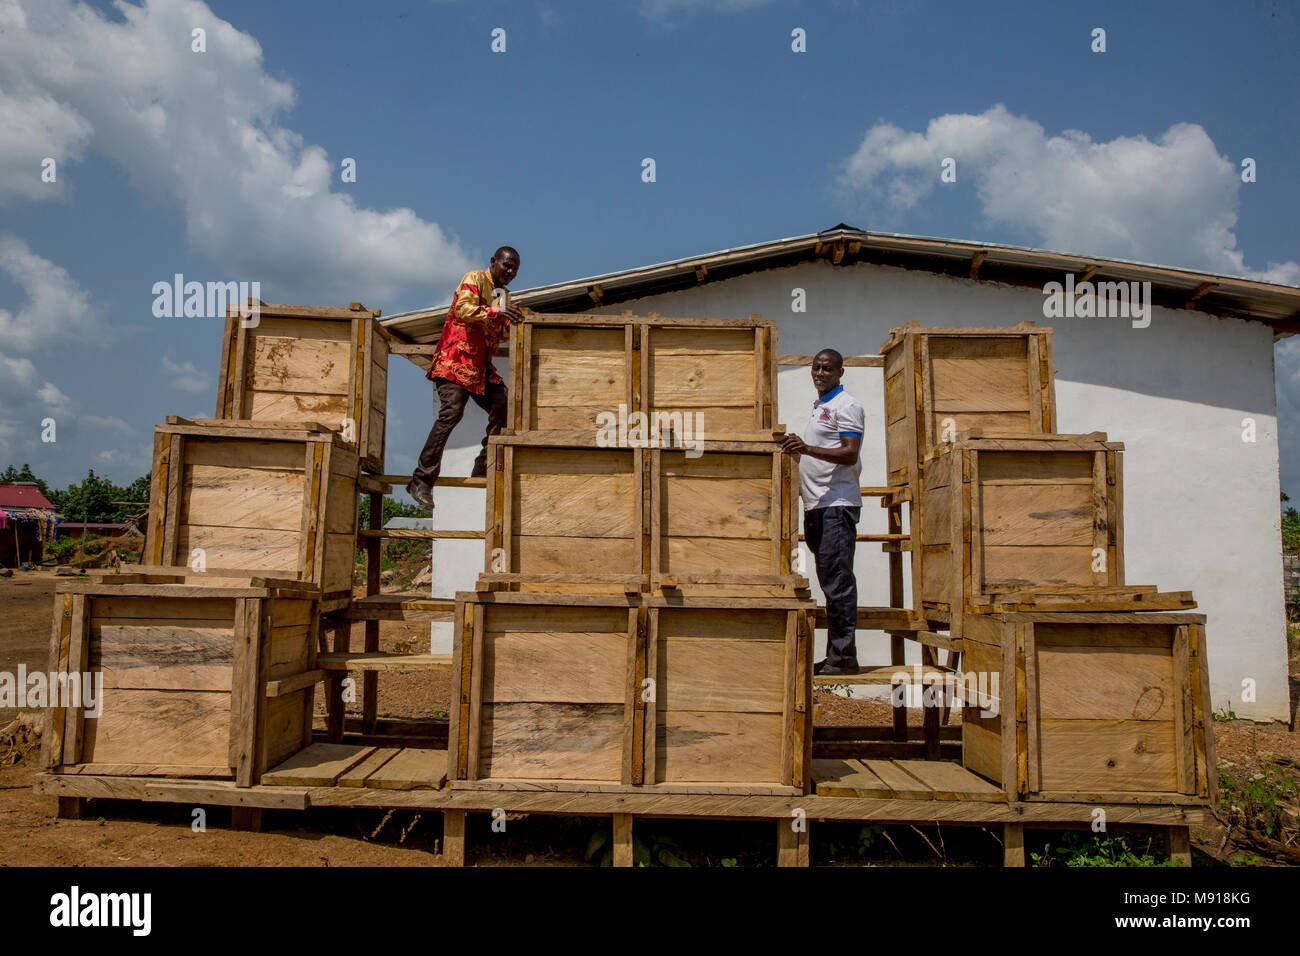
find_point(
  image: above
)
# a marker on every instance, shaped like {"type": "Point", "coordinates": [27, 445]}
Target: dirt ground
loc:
{"type": "Point", "coordinates": [122, 833]}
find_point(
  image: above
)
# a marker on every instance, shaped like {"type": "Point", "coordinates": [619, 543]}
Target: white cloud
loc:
{"type": "Point", "coordinates": [185, 376]}
{"type": "Point", "coordinates": [25, 401]}
{"type": "Point", "coordinates": [655, 9]}
{"type": "Point", "coordinates": [204, 129]}
{"type": "Point", "coordinates": [57, 309]}
{"type": "Point", "coordinates": [109, 423]}
{"type": "Point", "coordinates": [1172, 201]}
{"type": "Point", "coordinates": [36, 128]}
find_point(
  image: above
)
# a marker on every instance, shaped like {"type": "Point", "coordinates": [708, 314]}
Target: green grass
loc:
{"type": "Point", "coordinates": [1254, 803]}
{"type": "Point", "coordinates": [1080, 849]}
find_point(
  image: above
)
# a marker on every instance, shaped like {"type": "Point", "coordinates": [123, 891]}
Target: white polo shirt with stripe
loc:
{"type": "Point", "coordinates": [821, 483]}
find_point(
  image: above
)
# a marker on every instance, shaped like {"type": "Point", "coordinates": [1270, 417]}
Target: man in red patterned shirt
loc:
{"type": "Point", "coordinates": [462, 367]}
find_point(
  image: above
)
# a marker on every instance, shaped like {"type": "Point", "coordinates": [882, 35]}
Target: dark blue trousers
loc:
{"type": "Point", "coordinates": [831, 536]}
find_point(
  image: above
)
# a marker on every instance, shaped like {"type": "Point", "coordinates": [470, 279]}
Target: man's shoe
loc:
{"type": "Point", "coordinates": [832, 670]}
{"type": "Point", "coordinates": [421, 493]}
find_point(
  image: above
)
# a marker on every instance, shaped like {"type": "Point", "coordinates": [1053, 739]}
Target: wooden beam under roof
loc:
{"type": "Point", "coordinates": [1201, 290]}
{"type": "Point", "coordinates": [976, 261]}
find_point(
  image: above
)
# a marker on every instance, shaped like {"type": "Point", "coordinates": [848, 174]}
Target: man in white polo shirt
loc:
{"type": "Point", "coordinates": [832, 503]}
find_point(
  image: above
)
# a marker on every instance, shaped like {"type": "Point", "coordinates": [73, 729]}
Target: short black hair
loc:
{"type": "Point", "coordinates": [839, 359]}
{"type": "Point", "coordinates": [511, 249]}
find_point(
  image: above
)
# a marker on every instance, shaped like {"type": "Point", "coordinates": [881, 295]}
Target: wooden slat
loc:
{"type": "Point", "coordinates": [319, 765]}
{"type": "Point", "coordinates": [411, 769]}
{"type": "Point", "coordinates": [356, 776]}
{"type": "Point", "coordinates": [382, 661]}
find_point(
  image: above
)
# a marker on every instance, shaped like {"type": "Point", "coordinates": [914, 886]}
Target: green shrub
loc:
{"type": "Point", "coordinates": [1084, 849]}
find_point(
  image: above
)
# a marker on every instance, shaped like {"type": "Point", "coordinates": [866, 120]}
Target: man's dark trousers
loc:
{"type": "Point", "coordinates": [452, 399]}
{"type": "Point", "coordinates": [831, 534]}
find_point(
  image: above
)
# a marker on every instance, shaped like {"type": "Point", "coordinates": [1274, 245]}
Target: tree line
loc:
{"type": "Point", "coordinates": [90, 499]}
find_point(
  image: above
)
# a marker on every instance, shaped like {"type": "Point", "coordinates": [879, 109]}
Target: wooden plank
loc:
{"type": "Point", "coordinates": [623, 845]}
{"type": "Point", "coordinates": [793, 842]}
{"type": "Point", "coordinates": [245, 699]}
{"type": "Point", "coordinates": [411, 769]}
{"type": "Point", "coordinates": [789, 691]}
{"type": "Point", "coordinates": [172, 510]}
{"type": "Point", "coordinates": [1109, 755]}
{"type": "Point", "coordinates": [718, 746]}
{"type": "Point", "coordinates": [1207, 779]}
{"type": "Point", "coordinates": [850, 361]}
{"type": "Point", "coordinates": [239, 373]}
{"type": "Point", "coordinates": [649, 701]}
{"type": "Point", "coordinates": [181, 728]}
{"type": "Point", "coordinates": [319, 765]}
{"type": "Point", "coordinates": [78, 652]}
{"type": "Point", "coordinates": [903, 784]}
{"type": "Point", "coordinates": [1013, 844]}
{"type": "Point", "coordinates": [380, 661]}
{"type": "Point", "coordinates": [551, 741]}
{"type": "Point", "coordinates": [356, 775]}
{"type": "Point", "coordinates": [290, 685]}
{"type": "Point", "coordinates": [555, 666]}
{"type": "Point", "coordinates": [634, 673]}
{"type": "Point", "coordinates": [1033, 707]}
{"type": "Point", "coordinates": [948, 781]}
{"type": "Point", "coordinates": [1181, 700]}
{"type": "Point", "coordinates": [453, 838]}
{"type": "Point", "coordinates": [847, 778]}
{"type": "Point", "coordinates": [475, 716]}
{"type": "Point", "coordinates": [275, 737]}
{"type": "Point", "coordinates": [60, 646]}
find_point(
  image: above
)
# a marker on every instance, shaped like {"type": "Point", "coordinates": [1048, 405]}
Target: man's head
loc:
{"type": "Point", "coordinates": [827, 369]}
{"type": "Point", "coordinates": [504, 266]}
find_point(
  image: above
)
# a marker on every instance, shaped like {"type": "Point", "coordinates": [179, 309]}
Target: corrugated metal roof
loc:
{"type": "Point", "coordinates": [23, 495]}
{"type": "Point", "coordinates": [1277, 305]}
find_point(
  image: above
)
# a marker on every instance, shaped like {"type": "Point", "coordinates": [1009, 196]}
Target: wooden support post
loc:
{"type": "Point", "coordinates": [453, 837]}
{"type": "Point", "coordinates": [334, 707]}
{"type": "Point", "coordinates": [931, 699]}
{"type": "Point", "coordinates": [1013, 844]}
{"type": "Point", "coordinates": [623, 839]}
{"type": "Point", "coordinates": [900, 712]}
{"type": "Point", "coordinates": [792, 844]}
{"type": "Point", "coordinates": [1180, 845]}
{"type": "Point", "coordinates": [897, 642]}
{"type": "Point", "coordinates": [71, 808]}
{"type": "Point", "coordinates": [370, 679]}
{"type": "Point", "coordinates": [246, 818]}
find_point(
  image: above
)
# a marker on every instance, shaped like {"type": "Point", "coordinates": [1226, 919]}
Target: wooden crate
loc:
{"type": "Point", "coordinates": [1016, 514]}
{"type": "Point", "coordinates": [941, 381]}
{"type": "Point", "coordinates": [306, 364]}
{"type": "Point", "coordinates": [612, 692]}
{"type": "Point", "coordinates": [565, 517]}
{"type": "Point", "coordinates": [733, 692]}
{"type": "Point", "coordinates": [254, 498]}
{"type": "Point", "coordinates": [566, 370]}
{"type": "Point", "coordinates": [212, 680]}
{"type": "Point", "coordinates": [1091, 707]}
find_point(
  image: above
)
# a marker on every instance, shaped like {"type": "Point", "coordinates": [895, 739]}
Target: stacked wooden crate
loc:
{"type": "Point", "coordinates": [637, 624]}
{"type": "Point", "coordinates": [1016, 531]}
{"type": "Point", "coordinates": [207, 653]}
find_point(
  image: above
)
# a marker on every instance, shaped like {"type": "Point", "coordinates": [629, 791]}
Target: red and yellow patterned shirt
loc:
{"type": "Point", "coordinates": [470, 336]}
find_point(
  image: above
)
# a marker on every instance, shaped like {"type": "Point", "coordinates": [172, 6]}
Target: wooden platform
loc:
{"type": "Point", "coordinates": [885, 791]}
{"type": "Point", "coordinates": [902, 780]}
{"type": "Point", "coordinates": [343, 765]}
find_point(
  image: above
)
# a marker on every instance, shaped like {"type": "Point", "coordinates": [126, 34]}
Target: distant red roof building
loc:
{"type": "Point", "coordinates": [23, 495]}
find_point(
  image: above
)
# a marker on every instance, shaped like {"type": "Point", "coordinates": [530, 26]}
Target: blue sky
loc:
{"type": "Point", "coordinates": [225, 164]}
